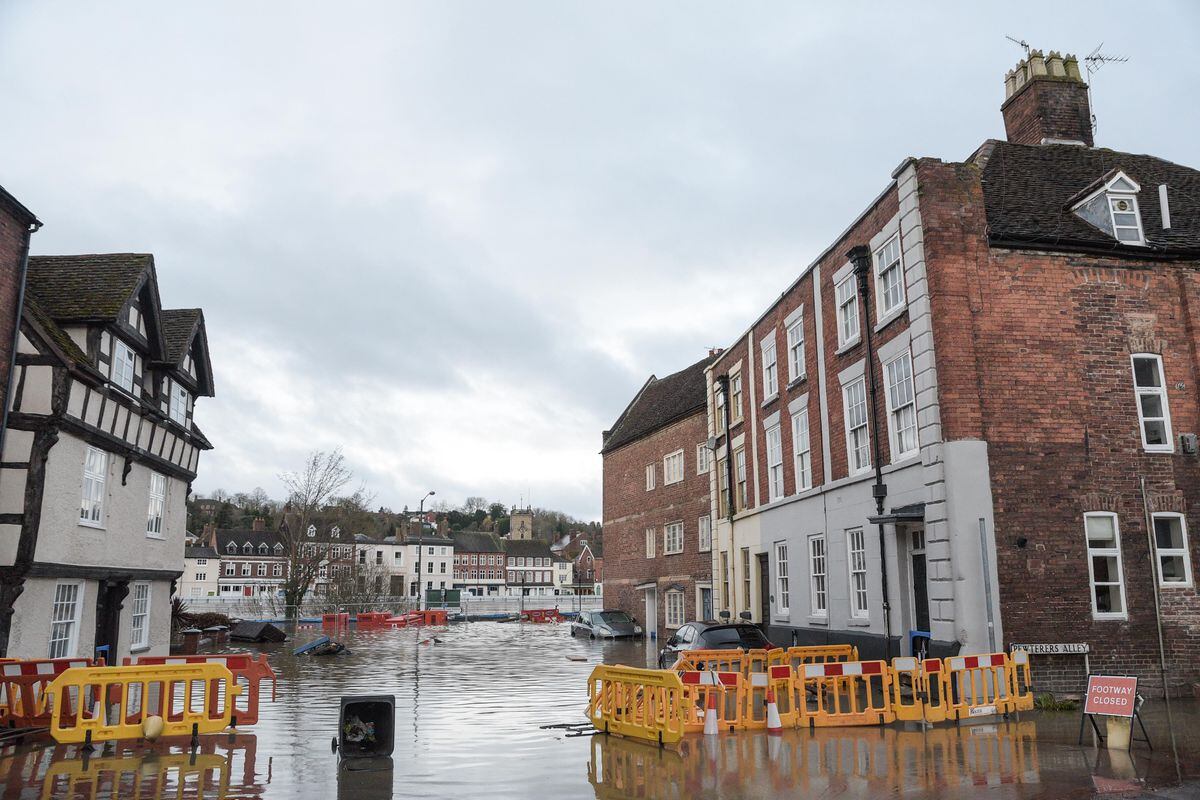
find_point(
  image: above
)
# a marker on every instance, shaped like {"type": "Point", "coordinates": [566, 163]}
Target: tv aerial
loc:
{"type": "Point", "coordinates": [1092, 62]}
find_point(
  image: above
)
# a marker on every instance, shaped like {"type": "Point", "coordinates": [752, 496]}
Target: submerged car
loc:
{"type": "Point", "coordinates": [712, 636]}
{"type": "Point", "coordinates": [605, 624]}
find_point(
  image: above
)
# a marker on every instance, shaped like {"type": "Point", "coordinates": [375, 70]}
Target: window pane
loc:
{"type": "Point", "coordinates": [1108, 600]}
{"type": "Point", "coordinates": [1151, 405]}
{"type": "Point", "coordinates": [1145, 372]}
{"type": "Point", "coordinates": [1168, 533]}
{"type": "Point", "coordinates": [1173, 569]}
{"type": "Point", "coordinates": [1104, 569]}
{"type": "Point", "coordinates": [1156, 432]}
{"type": "Point", "coordinates": [1101, 532]}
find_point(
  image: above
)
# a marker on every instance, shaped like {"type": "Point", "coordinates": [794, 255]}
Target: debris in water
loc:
{"type": "Point", "coordinates": [576, 658]}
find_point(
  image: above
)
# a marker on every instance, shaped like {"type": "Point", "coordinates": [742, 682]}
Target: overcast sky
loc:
{"type": "Point", "coordinates": [455, 238]}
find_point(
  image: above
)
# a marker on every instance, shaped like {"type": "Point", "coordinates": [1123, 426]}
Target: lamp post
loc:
{"type": "Point", "coordinates": [421, 575]}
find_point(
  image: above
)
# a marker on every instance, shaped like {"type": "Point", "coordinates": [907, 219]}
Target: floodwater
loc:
{"type": "Point", "coordinates": [469, 711]}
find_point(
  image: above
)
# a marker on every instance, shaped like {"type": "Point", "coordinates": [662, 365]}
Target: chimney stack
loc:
{"type": "Point", "coordinates": [259, 524]}
{"type": "Point", "coordinates": [210, 534]}
{"type": "Point", "coordinates": [1046, 101]}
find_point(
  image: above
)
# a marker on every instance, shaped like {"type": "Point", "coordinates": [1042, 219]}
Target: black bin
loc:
{"type": "Point", "coordinates": [366, 726]}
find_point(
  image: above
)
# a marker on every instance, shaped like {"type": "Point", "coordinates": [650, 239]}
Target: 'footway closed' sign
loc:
{"type": "Point", "coordinates": [1111, 695]}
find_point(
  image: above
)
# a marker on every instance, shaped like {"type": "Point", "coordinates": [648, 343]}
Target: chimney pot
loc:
{"type": "Point", "coordinates": [1054, 65]}
{"type": "Point", "coordinates": [259, 524]}
{"type": "Point", "coordinates": [1046, 101]}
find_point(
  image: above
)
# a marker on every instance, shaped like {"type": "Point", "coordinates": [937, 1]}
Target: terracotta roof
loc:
{"type": "Point", "coordinates": [1028, 192]}
{"type": "Point", "coordinates": [659, 403]}
{"type": "Point", "coordinates": [86, 287]}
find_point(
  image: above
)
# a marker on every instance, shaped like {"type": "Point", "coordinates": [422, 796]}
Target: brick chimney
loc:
{"type": "Point", "coordinates": [1046, 101]}
{"type": "Point", "coordinates": [210, 534]}
{"type": "Point", "coordinates": [259, 524]}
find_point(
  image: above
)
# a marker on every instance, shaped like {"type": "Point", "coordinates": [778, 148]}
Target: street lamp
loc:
{"type": "Point", "coordinates": [420, 575]}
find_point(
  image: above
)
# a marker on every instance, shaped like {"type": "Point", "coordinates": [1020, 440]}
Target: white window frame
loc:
{"type": "Point", "coordinates": [123, 356]}
{"type": "Point", "coordinates": [856, 562]}
{"type": "Point", "coordinates": [1161, 392]}
{"type": "Point", "coordinates": [795, 349]}
{"type": "Point", "coordinates": [741, 485]}
{"type": "Point", "coordinates": [882, 270]}
{"type": "Point", "coordinates": [157, 508]}
{"type": "Point", "coordinates": [782, 580]}
{"type": "Point", "coordinates": [892, 383]}
{"type": "Point", "coordinates": [770, 367]}
{"type": "Point", "coordinates": [704, 534]}
{"type": "Point", "coordinates": [673, 538]}
{"type": "Point", "coordinates": [853, 466]}
{"type": "Point", "coordinates": [651, 536]}
{"type": "Point", "coordinates": [1183, 552]}
{"type": "Point", "coordinates": [673, 467]}
{"type": "Point", "coordinates": [735, 397]}
{"type": "Point", "coordinates": [649, 477]}
{"type": "Point", "coordinates": [177, 403]}
{"type": "Point", "coordinates": [703, 458]}
{"type": "Point", "coordinates": [774, 438]}
{"type": "Point", "coordinates": [849, 327]}
{"type": "Point", "coordinates": [68, 638]}
{"type": "Point", "coordinates": [801, 451]}
{"type": "Point", "coordinates": [818, 576]}
{"type": "Point", "coordinates": [276, 570]}
{"type": "Point", "coordinates": [94, 491]}
{"type": "Point", "coordinates": [673, 608]}
{"type": "Point", "coordinates": [1105, 552]}
{"type": "Point", "coordinates": [1115, 197]}
{"type": "Point", "coordinates": [230, 569]}
{"type": "Point", "coordinates": [139, 610]}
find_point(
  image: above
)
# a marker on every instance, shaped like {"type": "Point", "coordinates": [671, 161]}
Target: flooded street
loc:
{"type": "Point", "coordinates": [468, 717]}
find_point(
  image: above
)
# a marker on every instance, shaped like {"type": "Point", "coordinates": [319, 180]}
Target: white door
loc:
{"type": "Point", "coordinates": [652, 613]}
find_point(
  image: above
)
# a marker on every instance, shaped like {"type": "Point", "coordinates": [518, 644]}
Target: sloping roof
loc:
{"type": "Point", "coordinates": [240, 536]}
{"type": "Point", "coordinates": [527, 547]}
{"type": "Point", "coordinates": [179, 325]}
{"type": "Point", "coordinates": [661, 402]}
{"type": "Point", "coordinates": [199, 552]}
{"type": "Point", "coordinates": [53, 332]}
{"type": "Point", "coordinates": [85, 287]}
{"type": "Point", "coordinates": [1028, 192]}
{"type": "Point", "coordinates": [477, 542]}
{"type": "Point", "coordinates": [15, 207]}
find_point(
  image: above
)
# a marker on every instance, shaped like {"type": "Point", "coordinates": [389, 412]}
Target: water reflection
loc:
{"type": "Point", "coordinates": [222, 767]}
{"type": "Point", "coordinates": [845, 762]}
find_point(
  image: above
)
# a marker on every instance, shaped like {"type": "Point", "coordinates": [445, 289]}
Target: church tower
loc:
{"type": "Point", "coordinates": [520, 524]}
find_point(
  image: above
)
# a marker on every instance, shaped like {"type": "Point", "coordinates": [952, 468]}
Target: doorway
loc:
{"type": "Point", "coordinates": [920, 587]}
{"type": "Point", "coordinates": [764, 592]}
{"type": "Point", "coordinates": [706, 604]}
{"type": "Point", "coordinates": [652, 613]}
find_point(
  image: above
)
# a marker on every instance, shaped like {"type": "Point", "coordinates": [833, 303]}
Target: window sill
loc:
{"type": "Point", "coordinates": [1166, 586]}
{"type": "Point", "coordinates": [848, 346]}
{"type": "Point", "coordinates": [859, 623]}
{"type": "Point", "coordinates": [771, 399]}
{"type": "Point", "coordinates": [96, 526]}
{"type": "Point", "coordinates": [1110, 617]}
{"type": "Point", "coordinates": [792, 384]}
{"type": "Point", "coordinates": [891, 317]}
{"type": "Point", "coordinates": [158, 537]}
{"type": "Point", "coordinates": [1153, 449]}
{"type": "Point", "coordinates": [818, 621]}
{"type": "Point", "coordinates": [141, 649]}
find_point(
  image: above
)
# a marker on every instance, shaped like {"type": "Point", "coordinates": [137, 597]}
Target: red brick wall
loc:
{"type": "Point", "coordinates": [629, 509]}
{"type": "Point", "coordinates": [1033, 354]}
{"type": "Point", "coordinates": [13, 233]}
{"type": "Point", "coordinates": [1049, 108]}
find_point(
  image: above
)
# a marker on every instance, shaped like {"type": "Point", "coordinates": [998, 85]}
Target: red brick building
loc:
{"type": "Point", "coordinates": [657, 517]}
{"type": "Point", "coordinates": [973, 416]}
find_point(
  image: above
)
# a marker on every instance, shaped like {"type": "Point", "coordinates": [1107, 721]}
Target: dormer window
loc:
{"type": "Point", "coordinates": [278, 548]}
{"type": "Point", "coordinates": [312, 531]}
{"type": "Point", "coordinates": [231, 548]}
{"type": "Point", "coordinates": [336, 533]}
{"type": "Point", "coordinates": [248, 549]}
{"type": "Point", "coordinates": [263, 549]}
{"type": "Point", "coordinates": [1113, 208]}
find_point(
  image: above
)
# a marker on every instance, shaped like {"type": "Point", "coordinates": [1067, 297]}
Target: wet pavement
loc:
{"type": "Point", "coordinates": [468, 717]}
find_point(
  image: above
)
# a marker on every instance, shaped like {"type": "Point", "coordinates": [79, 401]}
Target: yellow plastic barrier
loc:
{"type": "Point", "coordinates": [640, 703]}
{"type": "Point", "coordinates": [739, 661]}
{"type": "Point", "coordinates": [99, 777]}
{"type": "Point", "coordinates": [796, 657]}
{"type": "Point", "coordinates": [977, 686]}
{"type": "Point", "coordinates": [728, 688]}
{"type": "Point", "coordinates": [1020, 681]}
{"type": "Point", "coordinates": [846, 693]}
{"type": "Point", "coordinates": [935, 690]}
{"type": "Point", "coordinates": [184, 695]}
{"type": "Point", "coordinates": [908, 689]}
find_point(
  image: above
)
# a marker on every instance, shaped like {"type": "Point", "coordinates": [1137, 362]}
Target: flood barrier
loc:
{"type": "Point", "coordinates": [90, 704]}
{"type": "Point", "coordinates": [248, 673]}
{"type": "Point", "coordinates": [23, 688]}
{"type": "Point", "coordinates": [812, 694]}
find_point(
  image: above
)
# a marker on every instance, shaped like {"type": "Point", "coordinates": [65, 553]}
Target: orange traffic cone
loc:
{"type": "Point", "coordinates": [774, 725]}
{"type": "Point", "coordinates": [710, 714]}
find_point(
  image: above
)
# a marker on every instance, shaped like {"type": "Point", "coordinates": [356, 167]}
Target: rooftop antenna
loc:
{"type": "Point", "coordinates": [1093, 61]}
{"type": "Point", "coordinates": [1020, 42]}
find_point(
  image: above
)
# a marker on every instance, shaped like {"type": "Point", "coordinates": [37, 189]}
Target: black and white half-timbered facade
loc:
{"type": "Point", "coordinates": [99, 455]}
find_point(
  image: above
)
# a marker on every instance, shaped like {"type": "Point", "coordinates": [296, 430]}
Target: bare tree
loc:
{"type": "Point", "coordinates": [309, 492]}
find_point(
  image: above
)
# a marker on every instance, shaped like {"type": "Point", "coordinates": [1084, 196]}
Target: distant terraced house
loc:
{"type": "Point", "coordinates": [100, 450]}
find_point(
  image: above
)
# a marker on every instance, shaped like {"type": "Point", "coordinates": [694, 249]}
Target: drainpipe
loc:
{"type": "Point", "coordinates": [16, 333]}
{"type": "Point", "coordinates": [860, 256]}
{"type": "Point", "coordinates": [723, 388]}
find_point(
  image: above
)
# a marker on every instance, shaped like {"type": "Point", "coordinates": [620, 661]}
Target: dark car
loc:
{"type": "Point", "coordinates": [605, 624]}
{"type": "Point", "coordinates": [712, 636]}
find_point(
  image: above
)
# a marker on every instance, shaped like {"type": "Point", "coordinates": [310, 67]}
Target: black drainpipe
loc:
{"type": "Point", "coordinates": [723, 387]}
{"type": "Point", "coordinates": [860, 256]}
{"type": "Point", "coordinates": [16, 332]}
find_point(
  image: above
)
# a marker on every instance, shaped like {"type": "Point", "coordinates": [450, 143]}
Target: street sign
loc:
{"type": "Point", "coordinates": [1053, 649]}
{"type": "Point", "coordinates": [1111, 695]}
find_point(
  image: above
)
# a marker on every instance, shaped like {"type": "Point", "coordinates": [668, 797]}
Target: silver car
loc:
{"type": "Point", "coordinates": [605, 625]}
